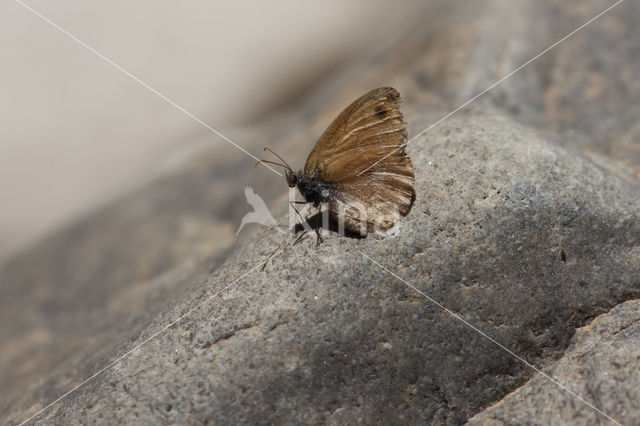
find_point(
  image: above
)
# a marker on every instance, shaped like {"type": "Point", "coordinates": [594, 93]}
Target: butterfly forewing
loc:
{"type": "Point", "coordinates": [371, 127]}
{"type": "Point", "coordinates": [370, 131]}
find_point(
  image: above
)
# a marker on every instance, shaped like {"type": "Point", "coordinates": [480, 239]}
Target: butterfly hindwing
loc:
{"type": "Point", "coordinates": [378, 198]}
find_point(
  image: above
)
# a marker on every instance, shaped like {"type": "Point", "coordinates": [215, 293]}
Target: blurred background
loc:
{"type": "Point", "coordinates": [116, 207]}
{"type": "Point", "coordinates": [77, 133]}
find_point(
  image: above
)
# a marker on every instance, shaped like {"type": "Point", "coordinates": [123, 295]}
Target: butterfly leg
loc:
{"type": "Point", "coordinates": [291, 203]}
{"type": "Point", "coordinates": [300, 238]}
{"type": "Point", "coordinates": [264, 265]}
{"type": "Point", "coordinates": [319, 237]}
{"type": "Point", "coordinates": [317, 229]}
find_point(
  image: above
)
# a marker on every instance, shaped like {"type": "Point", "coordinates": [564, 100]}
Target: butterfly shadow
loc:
{"type": "Point", "coordinates": [315, 223]}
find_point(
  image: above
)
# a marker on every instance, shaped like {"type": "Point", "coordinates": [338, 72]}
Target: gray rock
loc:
{"type": "Point", "coordinates": [518, 237]}
{"type": "Point", "coordinates": [601, 364]}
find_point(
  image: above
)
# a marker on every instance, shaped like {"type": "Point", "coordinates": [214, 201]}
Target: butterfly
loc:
{"type": "Point", "coordinates": [359, 167]}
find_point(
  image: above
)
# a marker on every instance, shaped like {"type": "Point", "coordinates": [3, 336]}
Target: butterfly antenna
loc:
{"type": "Point", "coordinates": [281, 159]}
{"type": "Point", "coordinates": [272, 162]}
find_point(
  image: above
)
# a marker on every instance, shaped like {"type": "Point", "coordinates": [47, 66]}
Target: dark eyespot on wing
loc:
{"type": "Point", "coordinates": [381, 111]}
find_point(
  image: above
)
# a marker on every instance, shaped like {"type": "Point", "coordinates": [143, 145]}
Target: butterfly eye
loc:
{"type": "Point", "coordinates": [291, 179]}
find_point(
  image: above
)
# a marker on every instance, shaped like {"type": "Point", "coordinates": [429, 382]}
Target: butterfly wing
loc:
{"type": "Point", "coordinates": [371, 127]}
{"type": "Point", "coordinates": [370, 131]}
{"type": "Point", "coordinates": [377, 199]}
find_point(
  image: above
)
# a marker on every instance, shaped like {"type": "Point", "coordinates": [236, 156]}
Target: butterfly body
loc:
{"type": "Point", "coordinates": [359, 168]}
{"type": "Point", "coordinates": [313, 188]}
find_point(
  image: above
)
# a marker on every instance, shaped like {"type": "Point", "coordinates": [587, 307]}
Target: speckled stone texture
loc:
{"type": "Point", "coordinates": [601, 364]}
{"type": "Point", "coordinates": [517, 236]}
{"type": "Point", "coordinates": [525, 225]}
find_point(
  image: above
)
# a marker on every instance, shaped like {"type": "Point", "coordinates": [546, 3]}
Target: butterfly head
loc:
{"type": "Point", "coordinates": [291, 177]}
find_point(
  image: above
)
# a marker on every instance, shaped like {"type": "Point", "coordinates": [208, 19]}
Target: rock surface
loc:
{"type": "Point", "coordinates": [323, 334]}
{"type": "Point", "coordinates": [525, 225]}
{"type": "Point", "coordinates": [601, 363]}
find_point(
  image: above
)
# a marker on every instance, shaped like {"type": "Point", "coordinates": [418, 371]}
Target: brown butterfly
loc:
{"type": "Point", "coordinates": [339, 171]}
